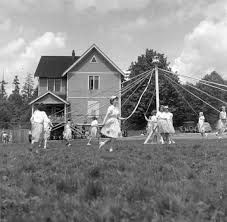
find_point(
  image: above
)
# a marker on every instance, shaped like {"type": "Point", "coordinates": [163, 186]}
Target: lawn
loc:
{"type": "Point", "coordinates": [182, 182]}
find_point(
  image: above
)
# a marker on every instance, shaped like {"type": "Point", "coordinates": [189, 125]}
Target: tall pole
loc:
{"type": "Point", "coordinates": [156, 87]}
{"type": "Point", "coordinates": [156, 62]}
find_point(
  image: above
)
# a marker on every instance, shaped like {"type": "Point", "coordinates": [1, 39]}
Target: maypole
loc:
{"type": "Point", "coordinates": [156, 62]}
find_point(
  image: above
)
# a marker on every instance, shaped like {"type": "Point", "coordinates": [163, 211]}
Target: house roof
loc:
{"type": "Point", "coordinates": [86, 53]}
{"type": "Point", "coordinates": [54, 66]}
{"type": "Point", "coordinates": [48, 92]}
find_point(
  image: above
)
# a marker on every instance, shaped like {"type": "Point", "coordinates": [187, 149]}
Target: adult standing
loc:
{"type": "Point", "coordinates": [37, 122]}
{"type": "Point", "coordinates": [111, 124]}
{"type": "Point", "coordinates": [221, 126]}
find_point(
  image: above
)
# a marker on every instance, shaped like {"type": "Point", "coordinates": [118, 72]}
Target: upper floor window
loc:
{"type": "Point", "coordinates": [94, 82]}
{"type": "Point", "coordinates": [54, 85]}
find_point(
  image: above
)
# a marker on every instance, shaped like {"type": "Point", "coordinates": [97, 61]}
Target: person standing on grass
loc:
{"type": "Point", "coordinates": [153, 132]}
{"type": "Point", "coordinates": [67, 134]}
{"type": "Point", "coordinates": [149, 124]}
{"type": "Point", "coordinates": [221, 125]}
{"type": "Point", "coordinates": [37, 122]}
{"type": "Point", "coordinates": [170, 125]}
{"type": "Point", "coordinates": [47, 125]}
{"type": "Point", "coordinates": [201, 126]}
{"type": "Point", "coordinates": [111, 124]}
{"type": "Point", "coordinates": [160, 122]}
{"type": "Point", "coordinates": [93, 130]}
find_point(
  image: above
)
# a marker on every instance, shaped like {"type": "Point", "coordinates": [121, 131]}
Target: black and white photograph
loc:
{"type": "Point", "coordinates": [113, 110]}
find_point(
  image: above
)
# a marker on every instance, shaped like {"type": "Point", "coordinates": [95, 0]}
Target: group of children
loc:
{"type": "Point", "coordinates": [160, 126]}
{"type": "Point", "coordinates": [67, 133]}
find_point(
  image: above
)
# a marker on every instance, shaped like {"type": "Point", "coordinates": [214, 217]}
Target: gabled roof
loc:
{"type": "Point", "coordinates": [86, 53]}
{"type": "Point", "coordinates": [54, 66]}
{"type": "Point", "coordinates": [48, 92]}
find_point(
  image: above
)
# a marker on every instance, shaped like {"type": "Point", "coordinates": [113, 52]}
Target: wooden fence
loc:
{"type": "Point", "coordinates": [17, 135]}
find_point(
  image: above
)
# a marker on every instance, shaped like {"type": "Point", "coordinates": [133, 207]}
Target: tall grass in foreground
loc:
{"type": "Point", "coordinates": [181, 183]}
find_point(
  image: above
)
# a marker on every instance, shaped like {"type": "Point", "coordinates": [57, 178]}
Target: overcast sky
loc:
{"type": "Point", "coordinates": [191, 33]}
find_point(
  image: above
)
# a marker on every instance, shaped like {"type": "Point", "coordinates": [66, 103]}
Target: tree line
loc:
{"type": "Point", "coordinates": [14, 108]}
{"type": "Point", "coordinates": [174, 93]}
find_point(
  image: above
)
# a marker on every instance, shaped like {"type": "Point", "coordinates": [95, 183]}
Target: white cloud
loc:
{"type": "Point", "coordinates": [21, 57]}
{"type": "Point", "coordinates": [105, 5]}
{"type": "Point", "coordinates": [131, 26]}
{"type": "Point", "coordinates": [12, 47]}
{"type": "Point", "coordinates": [5, 25]}
{"type": "Point", "coordinates": [205, 48]}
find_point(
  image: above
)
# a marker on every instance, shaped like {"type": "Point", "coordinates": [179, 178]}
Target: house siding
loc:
{"type": "Point", "coordinates": [78, 83]}
{"type": "Point", "coordinates": [79, 107]}
{"type": "Point", "coordinates": [86, 66]}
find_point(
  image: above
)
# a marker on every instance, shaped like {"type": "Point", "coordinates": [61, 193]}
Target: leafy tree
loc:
{"type": "Point", "coordinates": [168, 95]}
{"type": "Point", "coordinates": [210, 114]}
{"type": "Point", "coordinates": [5, 114]}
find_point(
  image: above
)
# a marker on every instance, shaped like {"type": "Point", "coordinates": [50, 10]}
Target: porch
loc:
{"type": "Point", "coordinates": [54, 106]}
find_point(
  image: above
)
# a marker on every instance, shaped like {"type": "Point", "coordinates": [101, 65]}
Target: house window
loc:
{"type": "Point", "coordinates": [93, 108]}
{"type": "Point", "coordinates": [94, 82]}
{"type": "Point", "coordinates": [57, 85]}
{"type": "Point", "coordinates": [54, 85]}
{"type": "Point", "coordinates": [93, 59]}
{"type": "Point", "coordinates": [50, 84]}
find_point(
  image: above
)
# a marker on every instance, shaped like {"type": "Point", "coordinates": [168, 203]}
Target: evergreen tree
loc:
{"type": "Point", "coordinates": [16, 84]}
{"type": "Point", "coordinates": [28, 88]}
{"type": "Point", "coordinates": [3, 94]}
{"type": "Point", "coordinates": [15, 102]}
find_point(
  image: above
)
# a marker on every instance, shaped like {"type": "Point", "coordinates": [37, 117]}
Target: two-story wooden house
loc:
{"type": "Point", "coordinates": [77, 87]}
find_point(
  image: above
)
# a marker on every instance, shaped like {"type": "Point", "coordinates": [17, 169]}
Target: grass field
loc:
{"type": "Point", "coordinates": [182, 182]}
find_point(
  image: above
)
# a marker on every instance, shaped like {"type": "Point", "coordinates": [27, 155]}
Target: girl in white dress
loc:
{"type": "Point", "coordinates": [93, 130]}
{"type": "Point", "coordinates": [67, 134]}
{"type": "Point", "coordinates": [153, 121]}
{"type": "Point", "coordinates": [149, 124]}
{"type": "Point", "coordinates": [171, 130]}
{"type": "Point", "coordinates": [161, 120]}
{"type": "Point", "coordinates": [47, 129]}
{"type": "Point", "coordinates": [201, 126]}
{"type": "Point", "coordinates": [37, 122]}
{"type": "Point", "coordinates": [111, 124]}
{"type": "Point", "coordinates": [221, 125]}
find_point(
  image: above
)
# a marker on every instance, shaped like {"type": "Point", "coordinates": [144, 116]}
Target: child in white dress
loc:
{"type": "Point", "coordinates": [169, 117]}
{"type": "Point", "coordinates": [67, 134]}
{"type": "Point", "coordinates": [111, 124]}
{"type": "Point", "coordinates": [153, 123]}
{"type": "Point", "coordinates": [93, 130]}
{"type": "Point", "coordinates": [149, 124]}
{"type": "Point", "coordinates": [201, 126]}
{"type": "Point", "coordinates": [47, 126]}
{"type": "Point", "coordinates": [160, 120]}
{"type": "Point", "coordinates": [221, 125]}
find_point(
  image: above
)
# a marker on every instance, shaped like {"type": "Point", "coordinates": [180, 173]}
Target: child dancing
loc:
{"type": "Point", "coordinates": [93, 130]}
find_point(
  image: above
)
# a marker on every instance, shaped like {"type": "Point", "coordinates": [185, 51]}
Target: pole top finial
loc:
{"type": "Point", "coordinates": [156, 60]}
